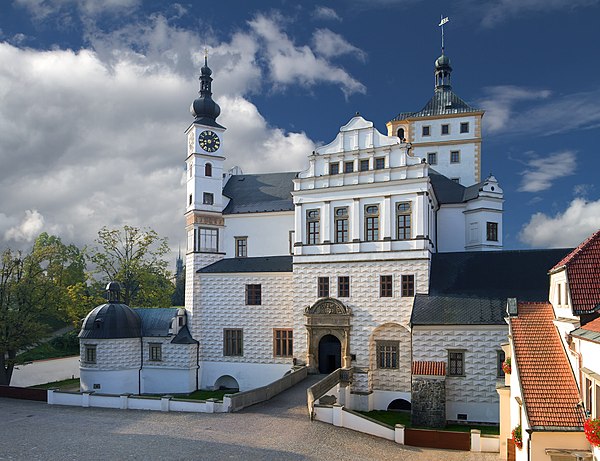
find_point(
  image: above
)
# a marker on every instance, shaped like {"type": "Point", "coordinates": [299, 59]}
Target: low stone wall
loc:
{"type": "Point", "coordinates": [24, 393]}
{"type": "Point", "coordinates": [261, 394]}
{"type": "Point", "coordinates": [318, 390]}
{"type": "Point", "coordinates": [428, 401]}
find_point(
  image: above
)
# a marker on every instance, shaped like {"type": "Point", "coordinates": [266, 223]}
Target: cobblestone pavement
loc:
{"type": "Point", "coordinates": [276, 430]}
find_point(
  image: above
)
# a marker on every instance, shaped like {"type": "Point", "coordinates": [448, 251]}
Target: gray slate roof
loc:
{"type": "Point", "coordinates": [111, 321]}
{"type": "Point", "coordinates": [156, 321]}
{"type": "Point", "coordinates": [586, 334]}
{"type": "Point", "coordinates": [449, 310]}
{"type": "Point", "coordinates": [443, 102]}
{"type": "Point", "coordinates": [260, 264]}
{"type": "Point", "coordinates": [521, 274]}
{"type": "Point", "coordinates": [256, 193]}
{"type": "Point", "coordinates": [184, 337]}
{"type": "Point", "coordinates": [448, 191]}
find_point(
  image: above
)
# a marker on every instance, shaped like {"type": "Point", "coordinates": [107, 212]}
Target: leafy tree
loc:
{"type": "Point", "coordinates": [135, 258]}
{"type": "Point", "coordinates": [33, 289]}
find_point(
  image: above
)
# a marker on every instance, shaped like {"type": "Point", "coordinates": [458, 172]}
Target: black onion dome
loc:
{"type": "Point", "coordinates": [442, 61]}
{"type": "Point", "coordinates": [112, 320]}
{"type": "Point", "coordinates": [204, 109]}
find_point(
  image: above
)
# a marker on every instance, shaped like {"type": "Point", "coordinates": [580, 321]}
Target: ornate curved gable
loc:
{"type": "Point", "coordinates": [328, 306]}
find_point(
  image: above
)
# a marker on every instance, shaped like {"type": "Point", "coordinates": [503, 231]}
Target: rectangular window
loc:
{"type": "Point", "coordinates": [348, 167]}
{"type": "Point", "coordinates": [208, 239]}
{"type": "Point", "coordinates": [432, 158]}
{"type": "Point", "coordinates": [283, 342]}
{"type": "Point", "coordinates": [558, 297]}
{"type": "Point", "coordinates": [344, 287]}
{"type": "Point", "coordinates": [426, 130]}
{"type": "Point", "coordinates": [241, 247]}
{"type": "Point", "coordinates": [323, 287]}
{"type": "Point", "coordinates": [334, 168]}
{"type": "Point", "coordinates": [155, 352]}
{"type": "Point", "coordinates": [380, 163]}
{"type": "Point", "coordinates": [445, 128]}
{"type": "Point", "coordinates": [291, 237]}
{"type": "Point", "coordinates": [90, 354]}
{"type": "Point", "coordinates": [190, 200]}
{"type": "Point", "coordinates": [341, 224]}
{"type": "Point", "coordinates": [208, 198]}
{"type": "Point", "coordinates": [233, 342]}
{"type": "Point", "coordinates": [364, 165]}
{"type": "Point", "coordinates": [588, 395]}
{"type": "Point", "coordinates": [456, 363]}
{"type": "Point", "coordinates": [408, 285]}
{"type": "Point", "coordinates": [385, 286]}
{"type": "Point", "coordinates": [454, 156]}
{"type": "Point", "coordinates": [492, 231]}
{"type": "Point", "coordinates": [312, 227]}
{"type": "Point", "coordinates": [500, 358]}
{"type": "Point", "coordinates": [253, 294]}
{"type": "Point", "coordinates": [464, 127]}
{"type": "Point", "coordinates": [387, 354]}
{"type": "Point", "coordinates": [371, 223]}
{"type": "Point", "coordinates": [403, 217]}
{"type": "Point", "coordinates": [566, 293]}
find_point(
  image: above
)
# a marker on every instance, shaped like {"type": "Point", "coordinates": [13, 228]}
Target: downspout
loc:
{"type": "Point", "coordinates": [530, 432]}
{"type": "Point", "coordinates": [141, 365]}
{"type": "Point", "coordinates": [197, 362]}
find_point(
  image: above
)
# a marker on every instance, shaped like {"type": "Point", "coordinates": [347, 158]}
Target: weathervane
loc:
{"type": "Point", "coordinates": [443, 20]}
{"type": "Point", "coordinates": [206, 50]}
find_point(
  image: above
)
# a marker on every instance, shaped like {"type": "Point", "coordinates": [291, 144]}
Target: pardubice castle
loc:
{"type": "Point", "coordinates": [384, 256]}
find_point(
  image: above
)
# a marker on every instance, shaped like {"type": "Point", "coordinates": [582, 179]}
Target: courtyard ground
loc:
{"type": "Point", "coordinates": [276, 430]}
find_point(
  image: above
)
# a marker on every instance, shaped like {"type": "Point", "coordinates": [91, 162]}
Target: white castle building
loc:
{"type": "Point", "coordinates": [375, 258]}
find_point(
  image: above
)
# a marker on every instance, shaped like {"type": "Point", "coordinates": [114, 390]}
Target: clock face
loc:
{"type": "Point", "coordinates": [209, 141]}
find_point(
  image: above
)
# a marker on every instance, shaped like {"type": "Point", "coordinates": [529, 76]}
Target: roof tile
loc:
{"type": "Point", "coordinates": [425, 368]}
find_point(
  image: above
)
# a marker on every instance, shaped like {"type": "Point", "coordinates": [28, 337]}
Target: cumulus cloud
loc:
{"type": "Point", "coordinates": [28, 229]}
{"type": "Point", "coordinates": [324, 12]}
{"type": "Point", "coordinates": [42, 9]}
{"type": "Point", "coordinates": [542, 171]}
{"type": "Point", "coordinates": [292, 64]}
{"type": "Point", "coordinates": [330, 44]}
{"type": "Point", "coordinates": [564, 229]}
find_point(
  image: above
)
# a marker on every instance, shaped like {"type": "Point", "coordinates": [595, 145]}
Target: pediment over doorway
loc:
{"type": "Point", "coordinates": [328, 306]}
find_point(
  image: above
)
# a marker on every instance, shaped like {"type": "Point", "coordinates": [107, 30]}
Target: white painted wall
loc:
{"type": "Point", "coordinates": [451, 228]}
{"type": "Point", "coordinates": [248, 375]}
{"type": "Point", "coordinates": [267, 233]}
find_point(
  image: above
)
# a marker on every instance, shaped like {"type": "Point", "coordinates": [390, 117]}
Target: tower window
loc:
{"type": "Point", "coordinates": [492, 231]}
{"type": "Point", "coordinates": [190, 199]}
{"type": "Point", "coordinates": [208, 198]}
{"type": "Point", "coordinates": [341, 224]}
{"type": "Point", "coordinates": [371, 223]}
{"type": "Point", "coordinates": [208, 169]}
{"type": "Point", "coordinates": [90, 354]}
{"type": "Point", "coordinates": [385, 286]}
{"type": "Point", "coordinates": [323, 287]}
{"type": "Point", "coordinates": [403, 216]}
{"type": "Point", "coordinates": [380, 163]}
{"type": "Point", "coordinates": [348, 167]}
{"type": "Point", "coordinates": [241, 247]}
{"type": "Point", "coordinates": [426, 130]}
{"type": "Point", "coordinates": [191, 169]}
{"type": "Point", "coordinates": [445, 128]}
{"type": "Point", "coordinates": [364, 165]}
{"type": "Point", "coordinates": [334, 168]}
{"type": "Point", "coordinates": [400, 134]}
{"type": "Point", "coordinates": [208, 239]}
{"type": "Point", "coordinates": [455, 156]}
{"type": "Point", "coordinates": [312, 227]}
{"type": "Point", "coordinates": [432, 158]}
{"type": "Point", "coordinates": [464, 127]}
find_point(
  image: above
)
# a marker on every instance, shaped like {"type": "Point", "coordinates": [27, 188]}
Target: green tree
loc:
{"type": "Point", "coordinates": [33, 290]}
{"type": "Point", "coordinates": [135, 258]}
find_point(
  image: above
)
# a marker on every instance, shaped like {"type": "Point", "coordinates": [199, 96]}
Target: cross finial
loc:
{"type": "Point", "coordinates": [443, 20]}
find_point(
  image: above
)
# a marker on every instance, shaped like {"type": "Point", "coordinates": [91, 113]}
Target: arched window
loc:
{"type": "Point", "coordinates": [208, 169]}
{"type": "Point", "coordinates": [401, 133]}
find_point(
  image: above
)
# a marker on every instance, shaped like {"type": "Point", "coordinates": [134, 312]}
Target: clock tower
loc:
{"type": "Point", "coordinates": [204, 178]}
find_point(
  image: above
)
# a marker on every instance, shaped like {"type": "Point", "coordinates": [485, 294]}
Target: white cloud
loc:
{"type": "Point", "coordinates": [28, 229]}
{"type": "Point", "coordinates": [566, 229]}
{"type": "Point", "coordinates": [292, 64]}
{"type": "Point", "coordinates": [330, 44]}
{"type": "Point", "coordinates": [42, 9]}
{"type": "Point", "coordinates": [324, 12]}
{"type": "Point", "coordinates": [542, 171]}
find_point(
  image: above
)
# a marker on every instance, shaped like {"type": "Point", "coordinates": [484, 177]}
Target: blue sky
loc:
{"type": "Point", "coordinates": [94, 98]}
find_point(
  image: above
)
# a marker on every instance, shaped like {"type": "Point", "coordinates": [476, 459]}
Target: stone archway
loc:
{"type": "Point", "coordinates": [330, 354]}
{"type": "Point", "coordinates": [328, 316]}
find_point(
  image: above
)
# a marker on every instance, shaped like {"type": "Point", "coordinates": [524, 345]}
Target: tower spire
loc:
{"type": "Point", "coordinates": [204, 109]}
{"type": "Point", "coordinates": [442, 64]}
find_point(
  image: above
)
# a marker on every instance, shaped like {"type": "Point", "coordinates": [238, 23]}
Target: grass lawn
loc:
{"type": "Point", "coordinates": [205, 394]}
{"type": "Point", "coordinates": [65, 385]}
{"type": "Point", "coordinates": [391, 418]}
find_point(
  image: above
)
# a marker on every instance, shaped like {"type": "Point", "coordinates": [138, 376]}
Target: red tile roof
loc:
{"type": "Point", "coordinates": [583, 275]}
{"type": "Point", "coordinates": [429, 368]}
{"type": "Point", "coordinates": [549, 389]}
{"type": "Point", "coordinates": [594, 326]}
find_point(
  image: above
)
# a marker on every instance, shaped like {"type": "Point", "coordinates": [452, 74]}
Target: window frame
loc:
{"type": "Point", "coordinates": [283, 342]}
{"type": "Point", "coordinates": [349, 167]}
{"type": "Point", "coordinates": [491, 231]}
{"type": "Point", "coordinates": [407, 285]}
{"type": "Point", "coordinates": [203, 236]}
{"type": "Point", "coordinates": [241, 247]}
{"type": "Point", "coordinates": [91, 353]}
{"type": "Point", "coordinates": [343, 221]}
{"type": "Point", "coordinates": [464, 125]}
{"type": "Point", "coordinates": [386, 286]}
{"type": "Point", "coordinates": [445, 127]}
{"type": "Point", "coordinates": [388, 354]}
{"type": "Point", "coordinates": [323, 287]}
{"type": "Point", "coordinates": [379, 163]}
{"type": "Point", "coordinates": [313, 226]}
{"type": "Point", "coordinates": [343, 286]}
{"type": "Point", "coordinates": [208, 198]}
{"type": "Point", "coordinates": [361, 164]}
{"type": "Point", "coordinates": [500, 359]}
{"type": "Point", "coordinates": [403, 221]}
{"type": "Point", "coordinates": [425, 130]}
{"type": "Point", "coordinates": [454, 156]}
{"type": "Point", "coordinates": [459, 358]}
{"type": "Point", "coordinates": [155, 352]}
{"type": "Point", "coordinates": [334, 168]}
{"type": "Point", "coordinates": [208, 169]}
{"type": "Point", "coordinates": [233, 342]}
{"type": "Point", "coordinates": [430, 156]}
{"type": "Point", "coordinates": [253, 294]}
{"type": "Point", "coordinates": [371, 224]}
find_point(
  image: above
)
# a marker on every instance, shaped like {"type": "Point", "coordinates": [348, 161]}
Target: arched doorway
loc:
{"type": "Point", "coordinates": [330, 354]}
{"type": "Point", "coordinates": [226, 382]}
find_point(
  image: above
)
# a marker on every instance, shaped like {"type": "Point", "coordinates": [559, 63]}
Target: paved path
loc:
{"type": "Point", "coordinates": [276, 430]}
{"type": "Point", "coordinates": [45, 371]}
